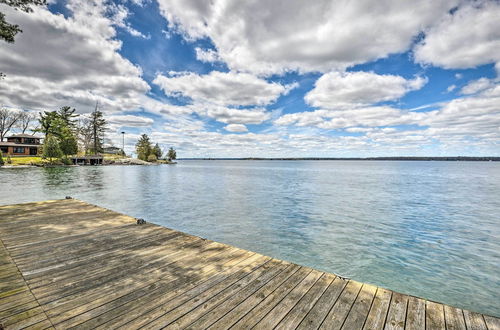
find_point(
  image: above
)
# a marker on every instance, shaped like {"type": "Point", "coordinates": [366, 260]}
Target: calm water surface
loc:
{"type": "Point", "coordinates": [430, 229]}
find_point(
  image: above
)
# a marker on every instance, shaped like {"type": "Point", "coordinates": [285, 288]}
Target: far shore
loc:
{"type": "Point", "coordinates": [410, 158]}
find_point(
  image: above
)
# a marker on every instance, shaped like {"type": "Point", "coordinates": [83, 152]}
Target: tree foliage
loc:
{"type": "Point", "coordinates": [143, 147]}
{"type": "Point", "coordinates": [146, 151]}
{"type": "Point", "coordinates": [62, 125]}
{"type": "Point", "coordinates": [1, 158]}
{"type": "Point", "coordinates": [172, 154]}
{"type": "Point", "coordinates": [67, 142]}
{"type": "Point", "coordinates": [157, 151]}
{"type": "Point", "coordinates": [51, 148]}
{"type": "Point", "coordinates": [99, 125]}
{"type": "Point", "coordinates": [69, 116]}
{"type": "Point", "coordinates": [8, 31]}
{"type": "Point", "coordinates": [50, 123]}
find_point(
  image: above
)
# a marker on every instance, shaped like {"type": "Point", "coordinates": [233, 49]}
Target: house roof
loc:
{"type": "Point", "coordinates": [24, 136]}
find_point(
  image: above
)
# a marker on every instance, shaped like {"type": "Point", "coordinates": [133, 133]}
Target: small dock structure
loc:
{"type": "Point", "coordinates": [69, 264]}
{"type": "Point", "coordinates": [87, 160]}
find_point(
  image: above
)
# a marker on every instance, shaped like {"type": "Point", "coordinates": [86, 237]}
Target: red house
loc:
{"type": "Point", "coordinates": [21, 145]}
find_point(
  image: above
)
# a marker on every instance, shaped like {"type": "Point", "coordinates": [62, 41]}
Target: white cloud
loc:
{"type": "Point", "coordinates": [140, 3]}
{"type": "Point", "coordinates": [206, 55]}
{"type": "Point", "coordinates": [236, 128]}
{"type": "Point", "coordinates": [451, 88]}
{"type": "Point", "coordinates": [365, 117]}
{"type": "Point", "coordinates": [266, 37]}
{"type": "Point", "coordinates": [471, 120]}
{"type": "Point", "coordinates": [336, 90]}
{"type": "Point", "coordinates": [130, 120]}
{"type": "Point", "coordinates": [466, 38]}
{"type": "Point", "coordinates": [235, 116]}
{"type": "Point", "coordinates": [476, 86]}
{"type": "Point", "coordinates": [119, 15]}
{"type": "Point", "coordinates": [58, 61]}
{"type": "Point", "coordinates": [219, 95]}
{"type": "Point", "coordinates": [222, 88]}
{"type": "Point", "coordinates": [359, 129]}
{"type": "Point", "coordinates": [77, 61]}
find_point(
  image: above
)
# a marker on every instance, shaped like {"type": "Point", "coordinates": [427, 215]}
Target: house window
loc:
{"type": "Point", "coordinates": [5, 150]}
{"type": "Point", "coordinates": [18, 150]}
{"type": "Point", "coordinates": [29, 141]}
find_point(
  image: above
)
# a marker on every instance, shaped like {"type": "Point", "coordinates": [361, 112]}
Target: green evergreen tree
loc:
{"type": "Point", "coordinates": [51, 148]}
{"type": "Point", "coordinates": [98, 124]}
{"type": "Point", "coordinates": [157, 151]}
{"type": "Point", "coordinates": [1, 159]}
{"type": "Point", "coordinates": [143, 147]}
{"type": "Point", "coordinates": [172, 154]}
{"type": "Point", "coordinates": [67, 142]}
{"type": "Point", "coordinates": [51, 123]}
{"type": "Point", "coordinates": [8, 31]}
{"type": "Point", "coordinates": [69, 116]}
{"type": "Point", "coordinates": [61, 125]}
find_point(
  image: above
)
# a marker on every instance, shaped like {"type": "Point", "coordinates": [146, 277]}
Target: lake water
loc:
{"type": "Point", "coordinates": [430, 229]}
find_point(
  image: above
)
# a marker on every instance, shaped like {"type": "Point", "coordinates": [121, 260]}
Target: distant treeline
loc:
{"type": "Point", "coordinates": [454, 159]}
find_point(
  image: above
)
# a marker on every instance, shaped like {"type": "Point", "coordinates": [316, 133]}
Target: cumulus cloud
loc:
{"type": "Point", "coordinates": [236, 128]}
{"type": "Point", "coordinates": [361, 117]}
{"type": "Point", "coordinates": [220, 95]}
{"type": "Point", "coordinates": [130, 120]}
{"type": "Point", "coordinates": [465, 38]}
{"type": "Point", "coordinates": [476, 86]}
{"type": "Point", "coordinates": [222, 88]}
{"type": "Point", "coordinates": [206, 55]}
{"type": "Point", "coordinates": [272, 37]}
{"type": "Point", "coordinates": [76, 61]}
{"type": "Point", "coordinates": [119, 14]}
{"type": "Point", "coordinates": [235, 116]}
{"type": "Point", "coordinates": [335, 90]}
{"type": "Point", "coordinates": [471, 120]}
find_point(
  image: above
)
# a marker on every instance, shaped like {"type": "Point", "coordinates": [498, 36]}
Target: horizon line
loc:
{"type": "Point", "coordinates": [419, 158]}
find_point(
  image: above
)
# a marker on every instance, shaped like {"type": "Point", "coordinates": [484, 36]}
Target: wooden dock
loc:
{"type": "Point", "coordinates": [66, 264]}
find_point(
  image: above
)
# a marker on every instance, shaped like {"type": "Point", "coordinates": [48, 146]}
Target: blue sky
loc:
{"type": "Point", "coordinates": [269, 79]}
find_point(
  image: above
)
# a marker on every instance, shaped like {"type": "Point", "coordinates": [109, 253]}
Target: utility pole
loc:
{"type": "Point", "coordinates": [94, 122]}
{"type": "Point", "coordinates": [123, 143]}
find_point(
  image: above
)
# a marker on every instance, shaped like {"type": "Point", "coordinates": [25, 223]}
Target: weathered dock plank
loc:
{"type": "Point", "coordinates": [68, 264]}
{"type": "Point", "coordinates": [18, 306]}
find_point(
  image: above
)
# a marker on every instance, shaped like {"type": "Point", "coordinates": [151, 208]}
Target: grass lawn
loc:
{"type": "Point", "coordinates": [113, 156]}
{"type": "Point", "coordinates": [24, 160]}
{"type": "Point", "coordinates": [32, 160]}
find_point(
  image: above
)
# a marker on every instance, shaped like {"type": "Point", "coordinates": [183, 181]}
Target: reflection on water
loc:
{"type": "Point", "coordinates": [430, 229]}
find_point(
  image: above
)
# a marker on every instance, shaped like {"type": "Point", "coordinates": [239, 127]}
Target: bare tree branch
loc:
{"type": "Point", "coordinates": [8, 119]}
{"type": "Point", "coordinates": [25, 120]}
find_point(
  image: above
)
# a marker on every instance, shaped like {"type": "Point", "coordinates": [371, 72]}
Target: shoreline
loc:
{"type": "Point", "coordinates": [410, 158]}
{"type": "Point", "coordinates": [106, 162]}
